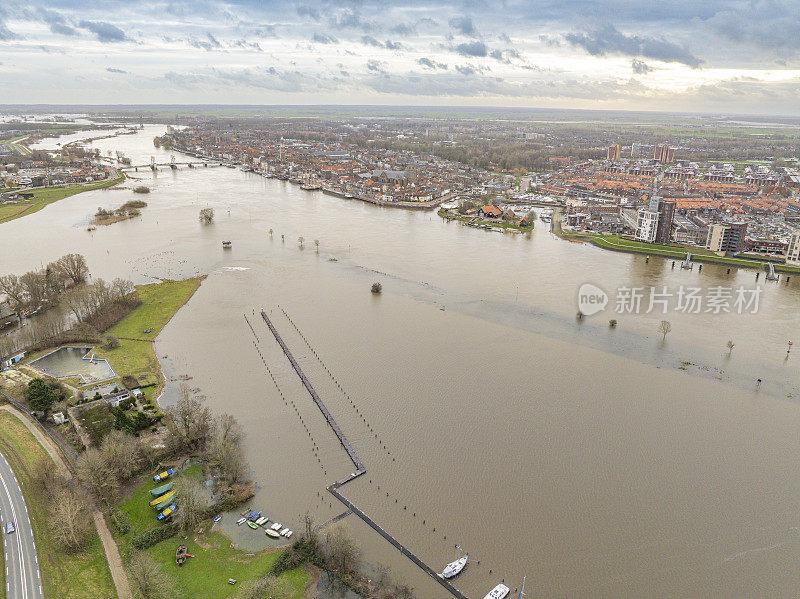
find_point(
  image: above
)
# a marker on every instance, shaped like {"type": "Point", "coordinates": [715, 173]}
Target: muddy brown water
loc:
{"type": "Point", "coordinates": [596, 461]}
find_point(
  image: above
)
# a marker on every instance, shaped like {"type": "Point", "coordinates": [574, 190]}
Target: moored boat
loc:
{"type": "Point", "coordinates": [454, 568]}
{"type": "Point", "coordinates": [252, 525]}
{"type": "Point", "coordinates": [273, 534]}
{"type": "Point", "coordinates": [498, 592]}
{"type": "Point", "coordinates": [241, 521]}
{"type": "Point", "coordinates": [276, 526]}
{"type": "Point", "coordinates": [262, 520]}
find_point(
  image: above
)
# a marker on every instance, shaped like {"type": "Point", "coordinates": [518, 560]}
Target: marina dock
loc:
{"type": "Point", "coordinates": [360, 469]}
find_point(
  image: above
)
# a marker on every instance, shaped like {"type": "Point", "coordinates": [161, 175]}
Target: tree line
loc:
{"type": "Point", "coordinates": [67, 307]}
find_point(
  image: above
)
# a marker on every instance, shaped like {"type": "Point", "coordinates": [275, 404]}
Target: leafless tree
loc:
{"type": "Point", "coordinates": [342, 555]}
{"type": "Point", "coordinates": [36, 291]}
{"type": "Point", "coordinates": [96, 475]}
{"type": "Point", "coordinates": [123, 454]}
{"type": "Point", "coordinates": [189, 423]}
{"type": "Point", "coordinates": [70, 523]}
{"type": "Point", "coordinates": [664, 328]}
{"type": "Point", "coordinates": [192, 500]}
{"type": "Point", "coordinates": [74, 266]}
{"type": "Point", "coordinates": [148, 579]}
{"type": "Point", "coordinates": [207, 216]}
{"type": "Point", "coordinates": [11, 286]}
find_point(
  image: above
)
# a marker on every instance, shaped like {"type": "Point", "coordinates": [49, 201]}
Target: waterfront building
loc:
{"type": "Point", "coordinates": [666, 214]}
{"type": "Point", "coordinates": [793, 251]}
{"type": "Point", "coordinates": [646, 225]}
{"type": "Point", "coordinates": [726, 238]}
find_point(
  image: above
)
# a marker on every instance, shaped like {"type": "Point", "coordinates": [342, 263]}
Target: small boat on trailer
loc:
{"type": "Point", "coordinates": [167, 512]}
{"type": "Point", "coordinates": [162, 498]}
{"type": "Point", "coordinates": [158, 491]}
{"type": "Point", "coordinates": [163, 475]}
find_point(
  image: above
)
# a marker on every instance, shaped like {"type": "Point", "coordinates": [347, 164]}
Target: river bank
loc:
{"type": "Point", "coordinates": [676, 252]}
{"type": "Point", "coordinates": [642, 479]}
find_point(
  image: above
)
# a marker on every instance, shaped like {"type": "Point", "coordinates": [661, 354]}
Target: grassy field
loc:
{"type": "Point", "coordinates": [65, 575]}
{"type": "Point", "coordinates": [43, 197]}
{"type": "Point", "coordinates": [136, 332]}
{"type": "Point", "coordinates": [206, 575]}
{"type": "Point", "coordinates": [614, 242]}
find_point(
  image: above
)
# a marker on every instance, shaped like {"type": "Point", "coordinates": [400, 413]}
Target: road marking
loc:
{"type": "Point", "coordinates": [22, 571]}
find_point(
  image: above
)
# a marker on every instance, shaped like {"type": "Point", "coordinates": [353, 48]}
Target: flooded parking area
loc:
{"type": "Point", "coordinates": [74, 361]}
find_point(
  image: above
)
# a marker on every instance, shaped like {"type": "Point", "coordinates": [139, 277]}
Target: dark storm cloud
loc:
{"type": "Point", "coordinates": [476, 49]}
{"type": "Point", "coordinates": [773, 26]}
{"type": "Point", "coordinates": [105, 32]}
{"type": "Point", "coordinates": [608, 40]}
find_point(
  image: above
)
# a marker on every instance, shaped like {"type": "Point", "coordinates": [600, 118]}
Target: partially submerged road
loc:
{"type": "Point", "coordinates": [22, 565]}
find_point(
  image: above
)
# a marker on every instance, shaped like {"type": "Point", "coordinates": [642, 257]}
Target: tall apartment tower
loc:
{"type": "Point", "coordinates": [613, 153]}
{"type": "Point", "coordinates": [664, 154]}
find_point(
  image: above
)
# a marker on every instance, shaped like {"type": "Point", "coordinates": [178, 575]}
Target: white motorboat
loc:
{"type": "Point", "coordinates": [498, 592]}
{"type": "Point", "coordinates": [454, 568]}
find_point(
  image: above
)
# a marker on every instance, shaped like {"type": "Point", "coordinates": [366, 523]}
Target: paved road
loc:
{"type": "Point", "coordinates": [22, 565]}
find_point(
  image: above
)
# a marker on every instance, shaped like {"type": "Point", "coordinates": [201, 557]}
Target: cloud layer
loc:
{"type": "Point", "coordinates": [717, 55]}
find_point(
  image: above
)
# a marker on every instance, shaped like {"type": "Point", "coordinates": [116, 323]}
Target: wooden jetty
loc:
{"type": "Point", "coordinates": [360, 469]}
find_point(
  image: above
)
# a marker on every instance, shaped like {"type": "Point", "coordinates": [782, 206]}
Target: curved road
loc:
{"type": "Point", "coordinates": [22, 565]}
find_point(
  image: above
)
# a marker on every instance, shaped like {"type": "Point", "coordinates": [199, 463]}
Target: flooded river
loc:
{"type": "Point", "coordinates": [595, 460]}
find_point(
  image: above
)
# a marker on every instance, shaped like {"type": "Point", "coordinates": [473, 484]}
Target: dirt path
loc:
{"type": "Point", "coordinates": [109, 546]}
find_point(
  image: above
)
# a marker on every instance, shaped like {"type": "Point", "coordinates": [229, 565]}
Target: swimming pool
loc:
{"type": "Point", "coordinates": [74, 361]}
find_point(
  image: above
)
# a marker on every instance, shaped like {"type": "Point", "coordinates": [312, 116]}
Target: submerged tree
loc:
{"type": "Point", "coordinates": [207, 216]}
{"type": "Point", "coordinates": [377, 288]}
{"type": "Point", "coordinates": [664, 328]}
{"type": "Point", "coordinates": [730, 345]}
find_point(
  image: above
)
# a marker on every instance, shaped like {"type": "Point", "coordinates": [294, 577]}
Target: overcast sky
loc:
{"type": "Point", "coordinates": [686, 55]}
